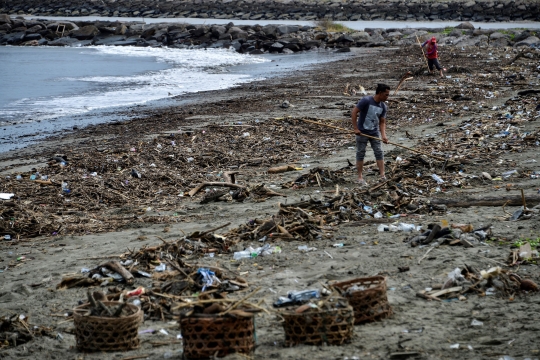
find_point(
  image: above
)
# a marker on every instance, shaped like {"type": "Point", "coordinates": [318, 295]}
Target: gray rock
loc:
{"type": "Point", "coordinates": [13, 38]}
{"type": "Point", "coordinates": [276, 47]}
{"type": "Point", "coordinates": [287, 51]}
{"type": "Point", "coordinates": [312, 43]}
{"type": "Point", "coordinates": [63, 41]}
{"type": "Point", "coordinates": [270, 30]}
{"type": "Point", "coordinates": [34, 29]}
{"type": "Point", "coordinates": [344, 39]}
{"type": "Point", "coordinates": [5, 19]}
{"type": "Point", "coordinates": [498, 35]}
{"type": "Point", "coordinates": [530, 41]}
{"type": "Point", "coordinates": [455, 33]}
{"type": "Point", "coordinates": [121, 29]}
{"type": "Point", "coordinates": [287, 29]}
{"type": "Point", "coordinates": [394, 35]}
{"type": "Point", "coordinates": [5, 27]}
{"type": "Point", "coordinates": [30, 37]}
{"type": "Point", "coordinates": [465, 25]}
{"type": "Point", "coordinates": [109, 40]}
{"type": "Point", "coordinates": [343, 50]}
{"type": "Point", "coordinates": [519, 36]}
{"type": "Point", "coordinates": [217, 31]}
{"type": "Point", "coordinates": [361, 35]}
{"type": "Point", "coordinates": [85, 33]}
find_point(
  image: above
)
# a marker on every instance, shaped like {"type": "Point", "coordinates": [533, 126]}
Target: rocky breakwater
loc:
{"type": "Point", "coordinates": [460, 10]}
{"type": "Point", "coordinates": [254, 39]}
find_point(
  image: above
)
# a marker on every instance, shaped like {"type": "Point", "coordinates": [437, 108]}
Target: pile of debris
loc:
{"type": "Point", "coordinates": [15, 330]}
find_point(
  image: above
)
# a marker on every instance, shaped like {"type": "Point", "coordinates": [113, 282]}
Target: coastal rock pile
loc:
{"type": "Point", "coordinates": [463, 10]}
{"type": "Point", "coordinates": [249, 39]}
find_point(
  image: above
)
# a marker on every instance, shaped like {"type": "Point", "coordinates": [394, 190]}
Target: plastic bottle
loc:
{"type": "Point", "coordinates": [304, 295]}
{"type": "Point", "coordinates": [242, 255]}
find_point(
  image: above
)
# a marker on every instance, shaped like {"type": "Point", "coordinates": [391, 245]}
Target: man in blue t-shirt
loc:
{"type": "Point", "coordinates": [369, 118]}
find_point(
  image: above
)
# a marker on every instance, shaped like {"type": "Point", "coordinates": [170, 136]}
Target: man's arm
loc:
{"type": "Point", "coordinates": [382, 125]}
{"type": "Point", "coordinates": [424, 44]}
{"type": "Point", "coordinates": [354, 119]}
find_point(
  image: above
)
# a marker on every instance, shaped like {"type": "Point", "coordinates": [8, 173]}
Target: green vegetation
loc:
{"type": "Point", "coordinates": [533, 242]}
{"type": "Point", "coordinates": [447, 30]}
{"type": "Point", "coordinates": [509, 33]}
{"type": "Point", "coordinates": [330, 26]}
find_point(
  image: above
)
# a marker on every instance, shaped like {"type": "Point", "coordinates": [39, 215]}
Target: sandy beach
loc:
{"type": "Point", "coordinates": [249, 129]}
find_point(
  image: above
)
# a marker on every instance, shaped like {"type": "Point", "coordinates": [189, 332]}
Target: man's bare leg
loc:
{"type": "Point", "coordinates": [380, 165]}
{"type": "Point", "coordinates": [360, 168]}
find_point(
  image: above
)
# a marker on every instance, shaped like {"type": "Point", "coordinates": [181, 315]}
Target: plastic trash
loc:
{"type": "Point", "coordinates": [161, 267]}
{"type": "Point", "coordinates": [208, 277]}
{"type": "Point", "coordinates": [476, 323]}
{"type": "Point", "coordinates": [454, 346]}
{"type": "Point", "coordinates": [507, 174]}
{"type": "Point", "coordinates": [7, 237]}
{"type": "Point", "coordinates": [304, 295]}
{"type": "Point", "coordinates": [382, 228]}
{"type": "Point", "coordinates": [378, 215]}
{"type": "Point", "coordinates": [305, 248]}
{"type": "Point", "coordinates": [135, 174]}
{"type": "Point", "coordinates": [437, 179]}
{"type": "Point", "coordinates": [190, 159]}
{"type": "Point", "coordinates": [85, 270]}
{"type": "Point", "coordinates": [6, 196]}
{"type": "Point", "coordinates": [242, 255]}
{"type": "Point", "coordinates": [33, 177]}
{"type": "Point", "coordinates": [406, 227]}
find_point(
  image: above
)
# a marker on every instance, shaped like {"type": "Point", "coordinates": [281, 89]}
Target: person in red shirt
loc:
{"type": "Point", "coordinates": [433, 55]}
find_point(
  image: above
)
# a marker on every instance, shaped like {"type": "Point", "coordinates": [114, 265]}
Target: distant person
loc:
{"type": "Point", "coordinates": [369, 117]}
{"type": "Point", "coordinates": [433, 55]}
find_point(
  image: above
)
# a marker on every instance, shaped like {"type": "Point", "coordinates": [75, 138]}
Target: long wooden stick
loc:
{"type": "Point", "coordinates": [423, 53]}
{"type": "Point", "coordinates": [376, 138]}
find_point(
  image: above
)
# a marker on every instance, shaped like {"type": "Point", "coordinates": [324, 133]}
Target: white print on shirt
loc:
{"type": "Point", "coordinates": [372, 117]}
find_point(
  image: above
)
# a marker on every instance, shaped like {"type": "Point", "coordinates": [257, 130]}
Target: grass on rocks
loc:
{"type": "Point", "coordinates": [331, 26]}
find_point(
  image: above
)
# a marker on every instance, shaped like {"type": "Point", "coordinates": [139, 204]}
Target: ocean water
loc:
{"type": "Point", "coordinates": [48, 90]}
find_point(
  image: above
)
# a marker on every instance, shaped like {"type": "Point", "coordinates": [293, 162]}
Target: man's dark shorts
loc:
{"type": "Point", "coordinates": [432, 62]}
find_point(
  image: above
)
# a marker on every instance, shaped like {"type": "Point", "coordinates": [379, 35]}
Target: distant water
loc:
{"type": "Point", "coordinates": [47, 90]}
{"type": "Point", "coordinates": [355, 25]}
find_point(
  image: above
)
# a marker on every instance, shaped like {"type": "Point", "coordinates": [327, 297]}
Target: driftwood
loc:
{"type": "Point", "coordinates": [204, 184]}
{"type": "Point", "coordinates": [280, 169]}
{"type": "Point", "coordinates": [117, 267]}
{"type": "Point", "coordinates": [488, 201]}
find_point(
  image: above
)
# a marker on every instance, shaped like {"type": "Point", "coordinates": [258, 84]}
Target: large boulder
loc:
{"type": "Point", "coordinates": [109, 40]}
{"type": "Point", "coordinates": [237, 33]}
{"type": "Point", "coordinates": [270, 30]}
{"type": "Point", "coordinates": [522, 35]}
{"type": "Point", "coordinates": [63, 41]}
{"type": "Point", "coordinates": [34, 29]}
{"type": "Point", "coordinates": [287, 29]}
{"type": "Point", "coordinates": [466, 26]}
{"type": "Point", "coordinates": [530, 41]}
{"type": "Point", "coordinates": [218, 30]}
{"type": "Point", "coordinates": [361, 36]}
{"type": "Point", "coordinates": [13, 38]}
{"type": "Point", "coordinates": [277, 47]}
{"type": "Point", "coordinates": [5, 19]}
{"type": "Point", "coordinates": [121, 29]}
{"type": "Point", "coordinates": [85, 33]}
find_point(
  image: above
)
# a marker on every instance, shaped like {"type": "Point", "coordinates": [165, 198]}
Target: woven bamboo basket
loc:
{"type": "Point", "coordinates": [210, 336]}
{"type": "Point", "coordinates": [370, 304]}
{"type": "Point", "coordinates": [97, 333]}
{"type": "Point", "coordinates": [315, 327]}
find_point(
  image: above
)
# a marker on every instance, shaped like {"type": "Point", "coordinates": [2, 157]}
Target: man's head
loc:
{"type": "Point", "coordinates": [382, 92]}
{"type": "Point", "coordinates": [434, 39]}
